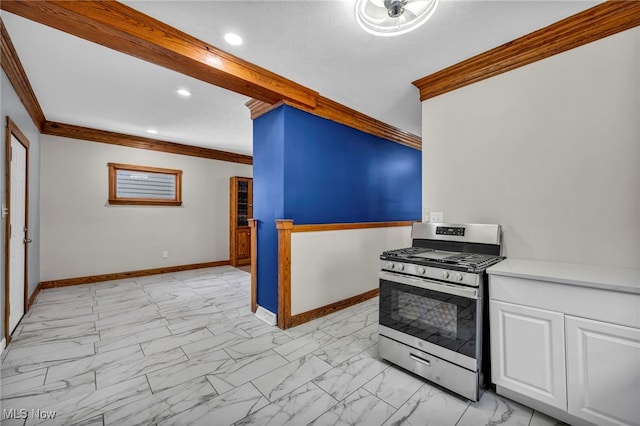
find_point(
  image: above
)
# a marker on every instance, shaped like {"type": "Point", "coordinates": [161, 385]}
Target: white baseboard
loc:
{"type": "Point", "coordinates": [266, 316]}
{"type": "Point", "coordinates": [3, 344]}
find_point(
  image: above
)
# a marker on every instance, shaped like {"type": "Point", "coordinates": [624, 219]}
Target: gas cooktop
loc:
{"type": "Point", "coordinates": [471, 262]}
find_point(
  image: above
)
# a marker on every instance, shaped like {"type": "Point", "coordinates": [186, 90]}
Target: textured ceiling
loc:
{"type": "Point", "coordinates": [314, 43]}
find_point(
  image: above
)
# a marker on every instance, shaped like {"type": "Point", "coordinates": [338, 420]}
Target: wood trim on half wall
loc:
{"type": "Point", "coordinates": [333, 307]}
{"type": "Point", "coordinates": [284, 227]}
{"type": "Point", "coordinates": [18, 77]}
{"type": "Point", "coordinates": [113, 138]}
{"type": "Point", "coordinates": [345, 226]}
{"type": "Point", "coordinates": [131, 274]}
{"type": "Point", "coordinates": [600, 21]}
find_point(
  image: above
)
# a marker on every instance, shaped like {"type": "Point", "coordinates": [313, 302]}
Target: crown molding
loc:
{"type": "Point", "coordinates": [331, 110]}
{"type": "Point", "coordinates": [124, 29]}
{"type": "Point", "coordinates": [113, 138]}
{"type": "Point", "coordinates": [18, 77]}
{"type": "Point", "coordinates": [600, 21]}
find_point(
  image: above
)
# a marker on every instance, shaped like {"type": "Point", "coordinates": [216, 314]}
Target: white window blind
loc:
{"type": "Point", "coordinates": [133, 184]}
{"type": "Point", "coordinates": [143, 185]}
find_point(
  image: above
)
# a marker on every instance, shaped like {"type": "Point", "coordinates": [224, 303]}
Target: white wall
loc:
{"type": "Point", "coordinates": [330, 266]}
{"type": "Point", "coordinates": [551, 151]}
{"type": "Point", "coordinates": [83, 235]}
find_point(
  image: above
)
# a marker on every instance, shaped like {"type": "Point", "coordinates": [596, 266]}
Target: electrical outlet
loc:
{"type": "Point", "coordinates": [436, 217]}
{"type": "Point", "coordinates": [165, 254]}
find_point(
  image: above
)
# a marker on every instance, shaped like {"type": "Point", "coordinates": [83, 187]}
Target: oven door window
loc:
{"type": "Point", "coordinates": [443, 319]}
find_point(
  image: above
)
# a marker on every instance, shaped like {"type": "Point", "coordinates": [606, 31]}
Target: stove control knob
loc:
{"type": "Point", "coordinates": [457, 276]}
{"type": "Point", "coordinates": [391, 265]}
{"type": "Point", "coordinates": [421, 270]}
{"type": "Point", "coordinates": [445, 274]}
{"type": "Point", "coordinates": [400, 267]}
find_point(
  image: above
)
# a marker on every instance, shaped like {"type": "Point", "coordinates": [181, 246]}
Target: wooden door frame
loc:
{"type": "Point", "coordinates": [13, 130]}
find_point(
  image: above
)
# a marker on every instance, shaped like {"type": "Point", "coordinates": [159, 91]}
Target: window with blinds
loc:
{"type": "Point", "coordinates": [140, 185]}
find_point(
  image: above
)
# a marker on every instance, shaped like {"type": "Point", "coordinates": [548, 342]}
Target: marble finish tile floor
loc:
{"type": "Point", "coordinates": [185, 349]}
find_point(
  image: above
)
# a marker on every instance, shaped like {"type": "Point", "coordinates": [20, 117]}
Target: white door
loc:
{"type": "Point", "coordinates": [17, 247]}
{"type": "Point", "coordinates": [603, 372]}
{"type": "Point", "coordinates": [527, 352]}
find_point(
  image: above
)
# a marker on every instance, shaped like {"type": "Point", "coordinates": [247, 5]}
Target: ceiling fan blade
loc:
{"type": "Point", "coordinates": [409, 16]}
{"type": "Point", "coordinates": [375, 12]}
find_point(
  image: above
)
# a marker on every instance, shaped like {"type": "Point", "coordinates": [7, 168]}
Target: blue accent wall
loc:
{"type": "Point", "coordinates": [313, 170]}
{"type": "Point", "coordinates": [335, 174]}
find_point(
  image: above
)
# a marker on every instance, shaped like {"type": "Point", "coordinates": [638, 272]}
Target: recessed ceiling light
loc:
{"type": "Point", "coordinates": [152, 131]}
{"type": "Point", "coordinates": [233, 39]}
{"type": "Point", "coordinates": [183, 92]}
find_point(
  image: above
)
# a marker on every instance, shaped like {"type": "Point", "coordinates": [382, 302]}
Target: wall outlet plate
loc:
{"type": "Point", "coordinates": [165, 254]}
{"type": "Point", "coordinates": [436, 217]}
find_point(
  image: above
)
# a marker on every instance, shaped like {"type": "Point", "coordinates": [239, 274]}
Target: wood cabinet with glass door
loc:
{"type": "Point", "coordinates": [241, 210]}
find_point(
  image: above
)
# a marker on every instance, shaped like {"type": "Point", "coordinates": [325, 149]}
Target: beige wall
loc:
{"type": "Point", "coordinates": [83, 235]}
{"type": "Point", "coordinates": [551, 151]}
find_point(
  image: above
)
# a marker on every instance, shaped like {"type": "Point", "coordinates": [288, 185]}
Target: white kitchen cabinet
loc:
{"type": "Point", "coordinates": [527, 352]}
{"type": "Point", "coordinates": [603, 372]}
{"type": "Point", "coordinates": [565, 339]}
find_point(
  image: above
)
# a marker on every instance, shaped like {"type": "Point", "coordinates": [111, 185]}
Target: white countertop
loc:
{"type": "Point", "coordinates": [607, 278]}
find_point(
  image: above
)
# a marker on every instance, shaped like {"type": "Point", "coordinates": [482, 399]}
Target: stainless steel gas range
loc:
{"type": "Point", "coordinates": [433, 304]}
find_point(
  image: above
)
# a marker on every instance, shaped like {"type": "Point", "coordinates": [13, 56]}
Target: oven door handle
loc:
{"type": "Point", "coordinates": [469, 293]}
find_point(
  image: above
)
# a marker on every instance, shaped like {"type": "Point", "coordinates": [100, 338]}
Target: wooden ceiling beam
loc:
{"type": "Point", "coordinates": [124, 29]}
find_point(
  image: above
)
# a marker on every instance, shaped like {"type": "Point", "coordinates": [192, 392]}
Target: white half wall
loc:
{"type": "Point", "coordinates": [83, 235]}
{"type": "Point", "coordinates": [551, 151]}
{"type": "Point", "coordinates": [330, 266]}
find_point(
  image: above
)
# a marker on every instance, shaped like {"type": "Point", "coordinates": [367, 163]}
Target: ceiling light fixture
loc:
{"type": "Point", "coordinates": [152, 131]}
{"type": "Point", "coordinates": [393, 17]}
{"type": "Point", "coordinates": [233, 39]}
{"type": "Point", "coordinates": [183, 92]}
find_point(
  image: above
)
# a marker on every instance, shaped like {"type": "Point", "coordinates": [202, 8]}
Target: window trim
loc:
{"type": "Point", "coordinates": [114, 199]}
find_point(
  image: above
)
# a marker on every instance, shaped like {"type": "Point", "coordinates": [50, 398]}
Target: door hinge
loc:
{"type": "Point", "coordinates": [11, 153]}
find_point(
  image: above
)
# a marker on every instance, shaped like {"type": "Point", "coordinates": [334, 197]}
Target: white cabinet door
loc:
{"type": "Point", "coordinates": [603, 372]}
{"type": "Point", "coordinates": [527, 352]}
